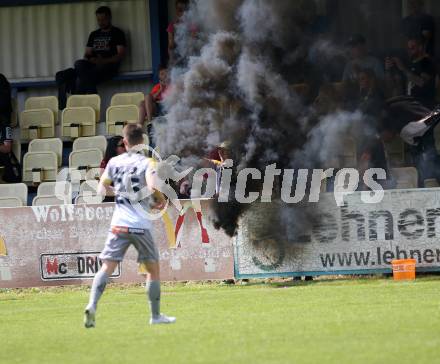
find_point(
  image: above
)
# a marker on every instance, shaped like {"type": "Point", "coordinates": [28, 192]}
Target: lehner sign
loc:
{"type": "Point", "coordinates": [353, 238]}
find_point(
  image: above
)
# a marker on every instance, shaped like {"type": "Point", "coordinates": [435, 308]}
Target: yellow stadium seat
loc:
{"type": "Point", "coordinates": [60, 189]}
{"type": "Point", "coordinates": [78, 121]}
{"type": "Point", "coordinates": [88, 193]}
{"type": "Point", "coordinates": [44, 200]}
{"type": "Point", "coordinates": [48, 145]}
{"type": "Point", "coordinates": [395, 150]}
{"type": "Point", "coordinates": [85, 161]}
{"type": "Point", "coordinates": [431, 183]}
{"type": "Point", "coordinates": [13, 195]}
{"type": "Point", "coordinates": [43, 102]}
{"type": "Point", "coordinates": [127, 98]}
{"type": "Point", "coordinates": [94, 101]}
{"type": "Point", "coordinates": [37, 123]}
{"type": "Point", "coordinates": [40, 167]}
{"type": "Point", "coordinates": [98, 141]}
{"type": "Point", "coordinates": [118, 116]}
{"type": "Point", "coordinates": [405, 177]}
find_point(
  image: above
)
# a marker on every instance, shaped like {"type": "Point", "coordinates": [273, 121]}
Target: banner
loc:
{"type": "Point", "coordinates": [356, 238]}
{"type": "Point", "coordinates": [58, 245]}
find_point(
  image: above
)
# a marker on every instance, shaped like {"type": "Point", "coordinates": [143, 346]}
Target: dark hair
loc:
{"type": "Point", "coordinates": [356, 39]}
{"type": "Point", "coordinates": [184, 2]}
{"type": "Point", "coordinates": [112, 145]}
{"type": "Point", "coordinates": [104, 10]}
{"type": "Point", "coordinates": [416, 38]}
{"type": "Point", "coordinates": [133, 133]}
{"type": "Point", "coordinates": [162, 66]}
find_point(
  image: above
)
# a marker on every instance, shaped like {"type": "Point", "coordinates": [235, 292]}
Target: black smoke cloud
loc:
{"type": "Point", "coordinates": [239, 58]}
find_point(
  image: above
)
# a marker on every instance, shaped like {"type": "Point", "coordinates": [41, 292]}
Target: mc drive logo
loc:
{"type": "Point", "coordinates": [72, 266]}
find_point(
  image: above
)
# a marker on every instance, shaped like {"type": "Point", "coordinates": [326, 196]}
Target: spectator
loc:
{"type": "Point", "coordinates": [419, 73]}
{"type": "Point", "coordinates": [419, 24]}
{"type": "Point", "coordinates": [181, 7]}
{"type": "Point", "coordinates": [5, 101]}
{"type": "Point", "coordinates": [152, 106]}
{"type": "Point", "coordinates": [104, 52]}
{"type": "Point", "coordinates": [415, 123]}
{"type": "Point", "coordinates": [369, 98]}
{"type": "Point", "coordinates": [115, 146]}
{"type": "Point", "coordinates": [360, 59]}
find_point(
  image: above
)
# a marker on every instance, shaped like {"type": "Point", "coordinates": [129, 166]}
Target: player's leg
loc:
{"type": "Point", "coordinates": [114, 251]}
{"type": "Point", "coordinates": [98, 287]}
{"type": "Point", "coordinates": [153, 292]}
{"type": "Point", "coordinates": [149, 259]}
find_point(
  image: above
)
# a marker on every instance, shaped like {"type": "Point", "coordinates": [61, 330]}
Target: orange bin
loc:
{"type": "Point", "coordinates": [404, 269]}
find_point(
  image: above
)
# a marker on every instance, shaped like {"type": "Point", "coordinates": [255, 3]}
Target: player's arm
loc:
{"type": "Point", "coordinates": [104, 186]}
{"type": "Point", "coordinates": [153, 184]}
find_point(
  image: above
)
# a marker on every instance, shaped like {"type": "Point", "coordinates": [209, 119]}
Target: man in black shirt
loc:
{"type": "Point", "coordinates": [419, 24]}
{"type": "Point", "coordinates": [104, 52]}
{"type": "Point", "coordinates": [419, 73]}
{"type": "Point", "coordinates": [407, 117]}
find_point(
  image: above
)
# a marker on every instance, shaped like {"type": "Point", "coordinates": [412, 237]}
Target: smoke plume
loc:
{"type": "Point", "coordinates": [236, 60]}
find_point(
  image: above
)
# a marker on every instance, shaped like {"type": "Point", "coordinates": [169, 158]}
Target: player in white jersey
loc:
{"type": "Point", "coordinates": [131, 175]}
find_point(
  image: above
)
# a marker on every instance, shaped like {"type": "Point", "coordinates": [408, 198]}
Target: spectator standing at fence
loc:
{"type": "Point", "coordinates": [419, 74]}
{"type": "Point", "coordinates": [104, 53]}
{"type": "Point", "coordinates": [419, 24]}
{"type": "Point", "coordinates": [360, 59]}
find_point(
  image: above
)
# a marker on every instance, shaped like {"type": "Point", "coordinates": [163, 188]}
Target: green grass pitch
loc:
{"type": "Point", "coordinates": [324, 321]}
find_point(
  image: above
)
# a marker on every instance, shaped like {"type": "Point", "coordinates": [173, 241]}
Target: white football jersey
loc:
{"type": "Point", "coordinates": [127, 172]}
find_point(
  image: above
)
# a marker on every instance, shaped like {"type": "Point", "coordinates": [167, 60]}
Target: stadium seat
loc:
{"type": "Point", "coordinates": [98, 141]}
{"type": "Point", "coordinates": [40, 167]}
{"type": "Point", "coordinates": [37, 123]}
{"type": "Point", "coordinates": [13, 195]}
{"type": "Point", "coordinates": [348, 155]}
{"type": "Point", "coordinates": [94, 101]}
{"type": "Point", "coordinates": [43, 200]}
{"type": "Point", "coordinates": [118, 116]}
{"type": "Point", "coordinates": [60, 189]}
{"type": "Point", "coordinates": [83, 161]}
{"type": "Point", "coordinates": [127, 98]}
{"type": "Point", "coordinates": [44, 102]}
{"type": "Point", "coordinates": [395, 151]}
{"type": "Point", "coordinates": [431, 183]}
{"type": "Point", "coordinates": [48, 145]}
{"type": "Point", "coordinates": [78, 121]}
{"type": "Point", "coordinates": [88, 193]}
{"type": "Point", "coordinates": [405, 177]}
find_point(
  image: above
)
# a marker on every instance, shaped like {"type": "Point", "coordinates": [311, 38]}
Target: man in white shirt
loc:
{"type": "Point", "coordinates": [134, 179]}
